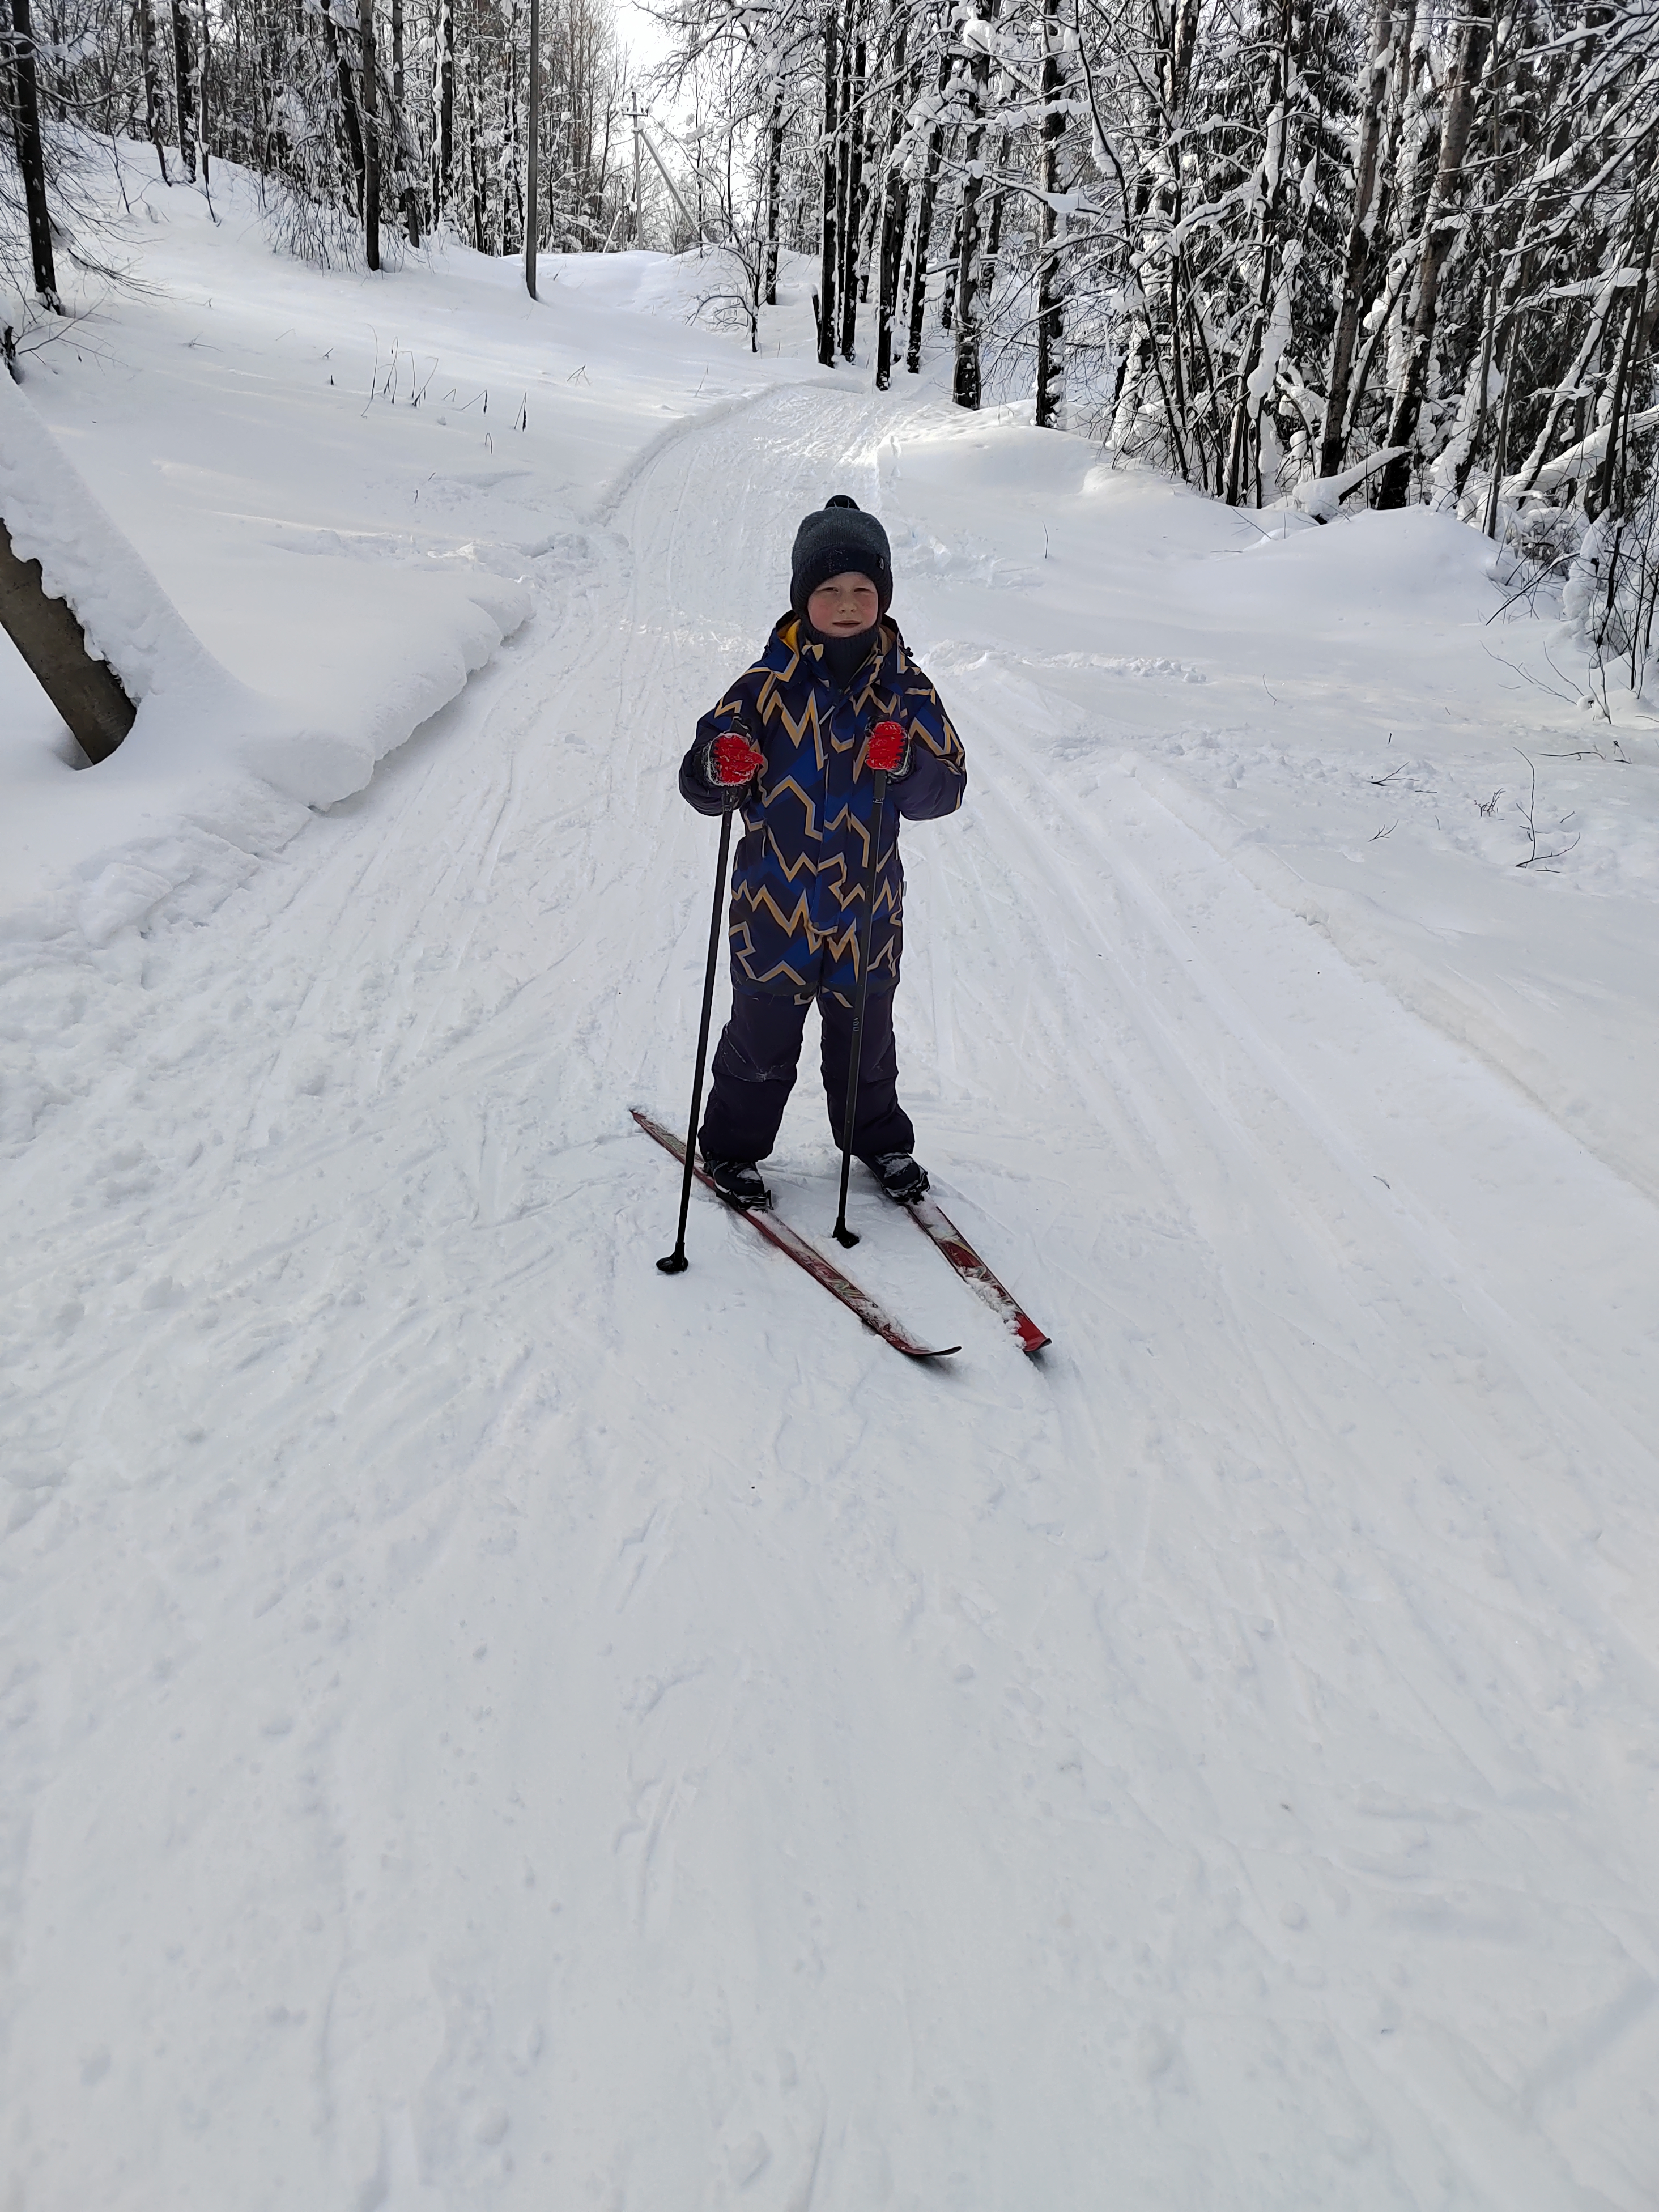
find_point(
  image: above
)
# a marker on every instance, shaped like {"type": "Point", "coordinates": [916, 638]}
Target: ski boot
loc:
{"type": "Point", "coordinates": [902, 1179]}
{"type": "Point", "coordinates": [738, 1182]}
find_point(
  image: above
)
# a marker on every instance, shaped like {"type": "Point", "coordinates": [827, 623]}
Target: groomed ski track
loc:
{"type": "Point", "coordinates": [607, 1741]}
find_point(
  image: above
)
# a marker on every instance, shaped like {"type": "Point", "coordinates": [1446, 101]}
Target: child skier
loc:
{"type": "Point", "coordinates": [796, 744]}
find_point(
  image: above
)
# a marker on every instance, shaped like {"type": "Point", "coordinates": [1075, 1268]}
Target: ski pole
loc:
{"type": "Point", "coordinates": [676, 1262]}
{"type": "Point", "coordinates": [843, 1235]}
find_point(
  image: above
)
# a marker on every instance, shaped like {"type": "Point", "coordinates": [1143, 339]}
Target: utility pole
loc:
{"type": "Point", "coordinates": [673, 188]}
{"type": "Point", "coordinates": [532, 214]}
{"type": "Point", "coordinates": [634, 234]}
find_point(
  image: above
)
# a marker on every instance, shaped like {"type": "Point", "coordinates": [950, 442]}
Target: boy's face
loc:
{"type": "Point", "coordinates": [845, 605]}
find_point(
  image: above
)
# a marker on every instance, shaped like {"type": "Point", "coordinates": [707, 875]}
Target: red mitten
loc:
{"type": "Point", "coordinates": [888, 752]}
{"type": "Point", "coordinates": [733, 759]}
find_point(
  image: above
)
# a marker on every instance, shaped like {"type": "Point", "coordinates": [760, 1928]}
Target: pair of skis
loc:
{"type": "Point", "coordinates": [935, 1224]}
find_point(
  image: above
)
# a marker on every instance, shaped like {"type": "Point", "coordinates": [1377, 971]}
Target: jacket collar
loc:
{"type": "Point", "coordinates": [791, 641]}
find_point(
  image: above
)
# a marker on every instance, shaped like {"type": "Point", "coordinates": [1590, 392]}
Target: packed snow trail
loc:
{"type": "Point", "coordinates": [495, 1726]}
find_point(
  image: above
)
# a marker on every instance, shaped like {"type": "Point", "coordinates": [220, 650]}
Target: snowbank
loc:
{"type": "Point", "coordinates": [297, 510]}
{"type": "Point", "coordinates": [129, 620]}
{"type": "Point", "coordinates": [210, 759]}
{"type": "Point", "coordinates": [323, 666]}
{"type": "Point", "coordinates": [414, 638]}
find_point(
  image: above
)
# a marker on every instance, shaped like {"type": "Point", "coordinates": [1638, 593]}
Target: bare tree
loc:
{"type": "Point", "coordinates": [30, 152]}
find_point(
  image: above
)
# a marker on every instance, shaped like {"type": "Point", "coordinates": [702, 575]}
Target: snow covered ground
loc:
{"type": "Point", "coordinates": [488, 1725]}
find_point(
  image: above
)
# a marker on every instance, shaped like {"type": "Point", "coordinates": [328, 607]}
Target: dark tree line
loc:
{"type": "Point", "coordinates": [359, 115]}
{"type": "Point", "coordinates": [1315, 250]}
{"type": "Point", "coordinates": [1308, 249]}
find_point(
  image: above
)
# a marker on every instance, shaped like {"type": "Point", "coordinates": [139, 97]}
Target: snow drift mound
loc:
{"type": "Point", "coordinates": [97, 851]}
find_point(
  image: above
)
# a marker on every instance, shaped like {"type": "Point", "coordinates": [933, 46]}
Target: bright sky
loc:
{"type": "Point", "coordinates": [642, 35]}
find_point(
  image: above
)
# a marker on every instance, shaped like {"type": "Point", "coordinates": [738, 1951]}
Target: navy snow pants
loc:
{"type": "Point", "coordinates": [754, 1072]}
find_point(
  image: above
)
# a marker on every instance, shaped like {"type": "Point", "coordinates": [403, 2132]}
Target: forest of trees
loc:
{"type": "Point", "coordinates": [1375, 250]}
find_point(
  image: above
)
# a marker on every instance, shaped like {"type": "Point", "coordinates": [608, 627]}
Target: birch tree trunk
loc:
{"type": "Point", "coordinates": [346, 114]}
{"type": "Point", "coordinates": [894, 221]}
{"type": "Point", "coordinates": [947, 303]}
{"type": "Point", "coordinates": [966, 380]}
{"type": "Point", "coordinates": [1438, 232]}
{"type": "Point", "coordinates": [1611, 491]}
{"type": "Point", "coordinates": [444, 190]}
{"type": "Point", "coordinates": [32, 154]}
{"type": "Point", "coordinates": [1357, 261]}
{"type": "Point", "coordinates": [829, 262]}
{"type": "Point", "coordinates": [204, 53]}
{"type": "Point", "coordinates": [1050, 352]}
{"type": "Point", "coordinates": [370, 103]}
{"type": "Point", "coordinates": [532, 217]}
{"type": "Point", "coordinates": [852, 205]}
{"type": "Point", "coordinates": [409, 197]}
{"type": "Point", "coordinates": [184, 105]}
{"type": "Point", "coordinates": [1500, 451]}
{"type": "Point", "coordinates": [1277, 257]}
{"type": "Point", "coordinates": [476, 187]}
{"type": "Point", "coordinates": [152, 85]}
{"type": "Point", "coordinates": [993, 254]}
{"type": "Point", "coordinates": [924, 239]}
{"type": "Point", "coordinates": [774, 196]}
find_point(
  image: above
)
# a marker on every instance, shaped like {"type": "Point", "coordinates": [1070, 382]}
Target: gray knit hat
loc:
{"type": "Point", "coordinates": [840, 537]}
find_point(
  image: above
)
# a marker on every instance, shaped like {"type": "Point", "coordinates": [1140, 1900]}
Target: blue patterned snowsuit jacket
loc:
{"type": "Point", "coordinates": [798, 883]}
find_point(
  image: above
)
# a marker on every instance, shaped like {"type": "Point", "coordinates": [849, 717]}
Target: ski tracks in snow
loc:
{"type": "Point", "coordinates": [497, 1726]}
